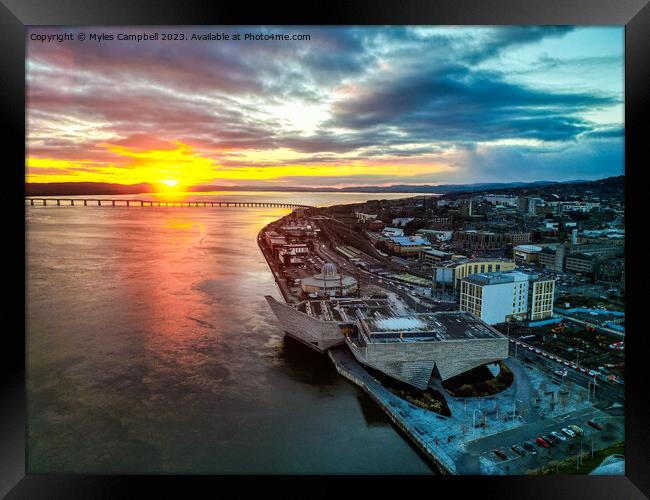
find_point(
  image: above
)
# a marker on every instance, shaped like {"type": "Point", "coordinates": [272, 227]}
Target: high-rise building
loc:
{"type": "Point", "coordinates": [533, 203]}
{"type": "Point", "coordinates": [466, 208]}
{"type": "Point", "coordinates": [429, 202]}
{"type": "Point", "coordinates": [522, 203]}
{"type": "Point", "coordinates": [541, 294]}
{"type": "Point", "coordinates": [498, 297]}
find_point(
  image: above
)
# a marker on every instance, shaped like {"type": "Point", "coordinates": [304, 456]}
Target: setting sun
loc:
{"type": "Point", "coordinates": [170, 182]}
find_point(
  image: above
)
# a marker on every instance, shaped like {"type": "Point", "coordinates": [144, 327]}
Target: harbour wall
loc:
{"type": "Point", "coordinates": [347, 367]}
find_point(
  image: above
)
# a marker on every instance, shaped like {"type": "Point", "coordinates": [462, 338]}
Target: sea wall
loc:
{"type": "Point", "coordinates": [393, 406]}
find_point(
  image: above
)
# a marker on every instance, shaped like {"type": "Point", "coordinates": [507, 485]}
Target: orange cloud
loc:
{"type": "Point", "coordinates": [179, 165]}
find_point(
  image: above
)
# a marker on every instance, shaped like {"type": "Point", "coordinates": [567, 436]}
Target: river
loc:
{"type": "Point", "coordinates": [151, 349]}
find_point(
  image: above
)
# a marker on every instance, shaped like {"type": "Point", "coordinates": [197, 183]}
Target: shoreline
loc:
{"type": "Point", "coordinates": [346, 366]}
{"type": "Point", "coordinates": [349, 368]}
{"type": "Point", "coordinates": [454, 445]}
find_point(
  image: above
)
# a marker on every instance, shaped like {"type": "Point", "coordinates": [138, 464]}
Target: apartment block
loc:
{"type": "Point", "coordinates": [499, 297]}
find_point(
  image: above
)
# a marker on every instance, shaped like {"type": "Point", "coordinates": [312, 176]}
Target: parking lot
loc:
{"type": "Point", "coordinates": [482, 450]}
{"type": "Point", "coordinates": [579, 290]}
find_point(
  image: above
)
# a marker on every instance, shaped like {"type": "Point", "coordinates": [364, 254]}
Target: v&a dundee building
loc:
{"type": "Point", "coordinates": [410, 348]}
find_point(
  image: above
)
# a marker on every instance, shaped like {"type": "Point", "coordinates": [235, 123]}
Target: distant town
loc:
{"type": "Point", "coordinates": [488, 323]}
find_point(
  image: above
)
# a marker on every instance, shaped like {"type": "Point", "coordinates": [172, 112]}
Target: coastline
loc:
{"type": "Point", "coordinates": [394, 407]}
{"type": "Point", "coordinates": [455, 445]}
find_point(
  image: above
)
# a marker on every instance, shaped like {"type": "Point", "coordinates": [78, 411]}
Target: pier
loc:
{"type": "Point", "coordinates": [103, 202]}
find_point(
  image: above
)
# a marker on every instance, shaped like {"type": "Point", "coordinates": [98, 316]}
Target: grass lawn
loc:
{"type": "Point", "coordinates": [428, 399]}
{"type": "Point", "coordinates": [588, 463]}
{"type": "Point", "coordinates": [479, 382]}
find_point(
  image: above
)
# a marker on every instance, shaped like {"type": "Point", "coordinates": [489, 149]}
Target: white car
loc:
{"type": "Point", "coordinates": [558, 435]}
{"type": "Point", "coordinates": [569, 432]}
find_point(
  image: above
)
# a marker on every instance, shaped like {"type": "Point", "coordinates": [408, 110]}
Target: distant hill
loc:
{"type": "Point", "coordinates": [84, 188]}
{"type": "Point", "coordinates": [610, 185]}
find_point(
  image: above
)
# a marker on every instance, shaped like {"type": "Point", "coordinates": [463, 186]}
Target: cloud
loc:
{"type": "Point", "coordinates": [395, 99]}
{"type": "Point", "coordinates": [455, 103]}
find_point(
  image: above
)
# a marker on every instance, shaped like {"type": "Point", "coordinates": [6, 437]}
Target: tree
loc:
{"type": "Point", "coordinates": [414, 225]}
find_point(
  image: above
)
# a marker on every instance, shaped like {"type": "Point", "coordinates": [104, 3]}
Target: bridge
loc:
{"type": "Point", "coordinates": [102, 202]}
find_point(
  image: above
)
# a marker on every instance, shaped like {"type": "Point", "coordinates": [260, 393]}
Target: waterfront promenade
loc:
{"type": "Point", "coordinates": [464, 443]}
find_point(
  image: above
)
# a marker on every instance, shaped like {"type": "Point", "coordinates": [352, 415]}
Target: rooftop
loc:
{"type": "Point", "coordinates": [460, 262]}
{"type": "Point", "coordinates": [346, 310]}
{"type": "Point", "coordinates": [438, 326]}
{"type": "Point", "coordinates": [409, 241]}
{"type": "Point", "coordinates": [528, 248]}
{"type": "Point", "coordinates": [499, 277]}
{"type": "Point", "coordinates": [433, 251]}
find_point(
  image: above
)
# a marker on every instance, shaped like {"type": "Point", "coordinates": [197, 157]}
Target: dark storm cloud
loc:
{"type": "Point", "coordinates": [456, 103]}
{"type": "Point", "coordinates": [595, 159]}
{"type": "Point", "coordinates": [607, 133]}
{"type": "Point", "coordinates": [510, 36]}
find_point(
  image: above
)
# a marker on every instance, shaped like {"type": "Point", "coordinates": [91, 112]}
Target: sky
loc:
{"type": "Point", "coordinates": [350, 106]}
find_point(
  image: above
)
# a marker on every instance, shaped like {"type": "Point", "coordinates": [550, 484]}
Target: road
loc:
{"type": "Point", "coordinates": [364, 277]}
{"type": "Point", "coordinates": [605, 391]}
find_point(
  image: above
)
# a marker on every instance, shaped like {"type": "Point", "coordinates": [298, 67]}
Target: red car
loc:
{"type": "Point", "coordinates": [540, 441]}
{"type": "Point", "coordinates": [595, 425]}
{"type": "Point", "coordinates": [500, 454]}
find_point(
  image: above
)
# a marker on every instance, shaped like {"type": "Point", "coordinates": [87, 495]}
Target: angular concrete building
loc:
{"type": "Point", "coordinates": [316, 332]}
{"type": "Point", "coordinates": [407, 348]}
{"type": "Point", "coordinates": [410, 348]}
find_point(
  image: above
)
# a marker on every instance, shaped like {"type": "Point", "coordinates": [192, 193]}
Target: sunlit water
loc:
{"type": "Point", "coordinates": [150, 349]}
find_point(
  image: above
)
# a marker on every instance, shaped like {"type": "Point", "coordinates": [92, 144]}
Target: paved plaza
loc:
{"type": "Point", "coordinates": [477, 426]}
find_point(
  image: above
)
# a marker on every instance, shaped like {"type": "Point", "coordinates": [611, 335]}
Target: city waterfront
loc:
{"type": "Point", "coordinates": [150, 349]}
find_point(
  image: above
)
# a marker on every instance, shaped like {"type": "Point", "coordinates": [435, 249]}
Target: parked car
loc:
{"type": "Point", "coordinates": [518, 449]}
{"type": "Point", "coordinates": [542, 442]}
{"type": "Point", "coordinates": [595, 425]}
{"type": "Point", "coordinates": [559, 372]}
{"type": "Point", "coordinates": [576, 429]}
{"type": "Point", "coordinates": [569, 432]}
{"type": "Point", "coordinates": [500, 454]}
{"type": "Point", "coordinates": [550, 439]}
{"type": "Point", "coordinates": [558, 436]}
{"type": "Point", "coordinates": [530, 447]}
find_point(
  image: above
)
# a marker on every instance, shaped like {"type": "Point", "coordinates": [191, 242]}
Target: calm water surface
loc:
{"type": "Point", "coordinates": [150, 349]}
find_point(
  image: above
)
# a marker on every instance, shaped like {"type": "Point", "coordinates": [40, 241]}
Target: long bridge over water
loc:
{"type": "Point", "coordinates": [103, 202]}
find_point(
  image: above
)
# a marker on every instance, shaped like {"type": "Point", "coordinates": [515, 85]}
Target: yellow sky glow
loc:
{"type": "Point", "coordinates": [184, 167]}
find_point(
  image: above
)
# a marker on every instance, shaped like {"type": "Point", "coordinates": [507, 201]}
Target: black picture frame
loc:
{"type": "Point", "coordinates": [15, 15]}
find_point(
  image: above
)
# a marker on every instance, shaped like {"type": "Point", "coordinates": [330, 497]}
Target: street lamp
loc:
{"type": "Point", "coordinates": [473, 424]}
{"type": "Point", "coordinates": [589, 386]}
{"type": "Point", "coordinates": [579, 458]}
{"type": "Point", "coordinates": [514, 409]}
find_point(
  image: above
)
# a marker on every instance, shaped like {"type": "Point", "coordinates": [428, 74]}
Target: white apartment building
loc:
{"type": "Point", "coordinates": [498, 297]}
